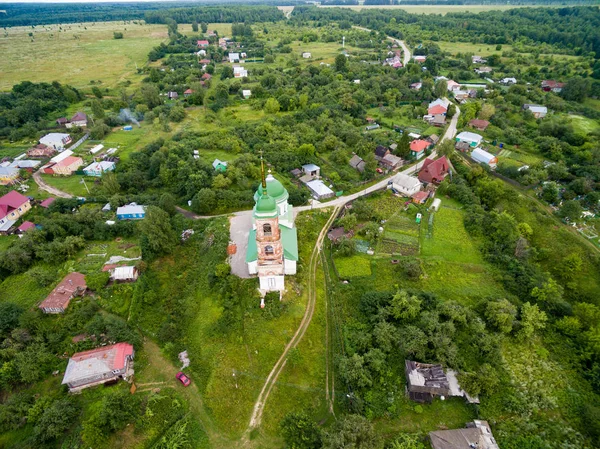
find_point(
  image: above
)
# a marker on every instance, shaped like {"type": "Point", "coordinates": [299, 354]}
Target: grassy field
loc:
{"type": "Point", "coordinates": [466, 47]}
{"type": "Point", "coordinates": [71, 184]}
{"type": "Point", "coordinates": [353, 266]}
{"type": "Point", "coordinates": [81, 53]}
{"type": "Point", "coordinates": [583, 124]}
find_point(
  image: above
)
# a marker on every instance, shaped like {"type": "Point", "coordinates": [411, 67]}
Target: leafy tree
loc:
{"type": "Point", "coordinates": [571, 210]}
{"type": "Point", "coordinates": [405, 307]}
{"type": "Point", "coordinates": [43, 276]}
{"type": "Point", "coordinates": [226, 72]}
{"type": "Point", "coordinates": [204, 201]}
{"type": "Point", "coordinates": [56, 420]}
{"type": "Point", "coordinates": [98, 131]}
{"type": "Point", "coordinates": [9, 317]}
{"type": "Point", "coordinates": [532, 320]}
{"type": "Point", "coordinates": [272, 106]}
{"type": "Point", "coordinates": [348, 222]}
{"type": "Point", "coordinates": [406, 441]}
{"type": "Point", "coordinates": [117, 35]}
{"type": "Point", "coordinates": [550, 192]}
{"type": "Point", "coordinates": [157, 234]}
{"type": "Point", "coordinates": [300, 432]}
{"type": "Point", "coordinates": [167, 203]}
{"type": "Point", "coordinates": [114, 412]}
{"type": "Point", "coordinates": [570, 266]}
{"type": "Point", "coordinates": [97, 92]}
{"type": "Point", "coordinates": [341, 62]}
{"type": "Point", "coordinates": [403, 149]}
{"type": "Point", "coordinates": [110, 183]}
{"type": "Point", "coordinates": [204, 26]}
{"type": "Point", "coordinates": [177, 114]}
{"type": "Point", "coordinates": [97, 109]}
{"type": "Point", "coordinates": [97, 281]}
{"type": "Point", "coordinates": [576, 89]}
{"type": "Point", "coordinates": [501, 314]}
{"type": "Point", "coordinates": [352, 431]}
{"type": "Point", "coordinates": [487, 110]}
{"type": "Point", "coordinates": [34, 362]}
{"type": "Point", "coordinates": [441, 89]}
{"type": "Point", "coordinates": [353, 371]}
{"type": "Point", "coordinates": [195, 26]}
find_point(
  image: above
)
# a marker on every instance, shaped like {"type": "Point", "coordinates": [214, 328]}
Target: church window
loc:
{"type": "Point", "coordinates": [269, 250]}
{"type": "Point", "coordinates": [267, 230]}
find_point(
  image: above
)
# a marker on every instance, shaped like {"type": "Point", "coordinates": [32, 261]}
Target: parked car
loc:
{"type": "Point", "coordinates": [183, 379]}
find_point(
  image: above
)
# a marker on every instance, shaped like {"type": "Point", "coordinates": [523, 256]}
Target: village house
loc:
{"type": "Point", "coordinates": [357, 162]}
{"type": "Point", "coordinates": [508, 81]}
{"type": "Point", "coordinates": [391, 161]}
{"type": "Point", "coordinates": [58, 300]}
{"type": "Point", "coordinates": [426, 381]}
{"type": "Point", "coordinates": [80, 119]}
{"type": "Point", "coordinates": [201, 52]}
{"type": "Point", "coordinates": [462, 146]}
{"type": "Point", "coordinates": [418, 147]}
{"type": "Point", "coordinates": [131, 212]}
{"type": "Point", "coordinates": [438, 120]}
{"type": "Point", "coordinates": [240, 72]}
{"type": "Point", "coordinates": [62, 121]}
{"type": "Point", "coordinates": [98, 366]}
{"type": "Point", "coordinates": [234, 57]}
{"type": "Point", "coordinates": [13, 205]}
{"type": "Point", "coordinates": [47, 202]}
{"type": "Point", "coordinates": [381, 152]}
{"type": "Point", "coordinates": [537, 110]}
{"type": "Point", "coordinates": [188, 93]}
{"type": "Point", "coordinates": [25, 164]}
{"type": "Point", "coordinates": [246, 93]}
{"type": "Point", "coordinates": [8, 175]}
{"type": "Point", "coordinates": [206, 76]}
{"type": "Point", "coordinates": [473, 139]}
{"type": "Point", "coordinates": [405, 184]}
{"type": "Point", "coordinates": [219, 166]}
{"type": "Point", "coordinates": [478, 60]}
{"type": "Point", "coordinates": [41, 151]}
{"type": "Point", "coordinates": [419, 59]}
{"type": "Point", "coordinates": [433, 139]}
{"type": "Point", "coordinates": [337, 234]}
{"type": "Point", "coordinates": [58, 141]}
{"type": "Point", "coordinates": [416, 86]}
{"type": "Point", "coordinates": [122, 273]}
{"type": "Point", "coordinates": [483, 157]}
{"type": "Point", "coordinates": [480, 125]}
{"type": "Point", "coordinates": [203, 43]}
{"type": "Point", "coordinates": [306, 55]}
{"type": "Point", "coordinates": [420, 197]}
{"type": "Point", "coordinates": [551, 85]}
{"type": "Point", "coordinates": [483, 70]}
{"type": "Point", "coordinates": [66, 166]}
{"type": "Point", "coordinates": [97, 168]}
{"type": "Point", "coordinates": [319, 189]}
{"type": "Point", "coordinates": [312, 170]}
{"type": "Point", "coordinates": [172, 95]}
{"type": "Point", "coordinates": [25, 226]}
{"type": "Point", "coordinates": [434, 172]}
{"type": "Point", "coordinates": [452, 85]}
{"type": "Point", "coordinates": [437, 109]}
{"type": "Point", "coordinates": [476, 435]}
{"type": "Point", "coordinates": [461, 95]}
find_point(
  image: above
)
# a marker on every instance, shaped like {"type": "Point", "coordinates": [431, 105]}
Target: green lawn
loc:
{"type": "Point", "coordinates": [466, 47]}
{"type": "Point", "coordinates": [72, 184]}
{"type": "Point", "coordinates": [354, 266]}
{"type": "Point", "coordinates": [87, 52]}
{"type": "Point", "coordinates": [583, 124]}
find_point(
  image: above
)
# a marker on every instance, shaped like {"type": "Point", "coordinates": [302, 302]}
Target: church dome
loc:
{"type": "Point", "coordinates": [265, 205]}
{"type": "Point", "coordinates": [275, 190]}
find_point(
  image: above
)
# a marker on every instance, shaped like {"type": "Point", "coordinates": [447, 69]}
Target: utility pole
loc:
{"type": "Point", "coordinates": [343, 41]}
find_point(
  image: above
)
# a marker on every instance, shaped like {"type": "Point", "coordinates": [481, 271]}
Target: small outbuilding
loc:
{"type": "Point", "coordinates": [219, 166]}
{"type": "Point", "coordinates": [358, 163]}
{"type": "Point", "coordinates": [312, 170]}
{"type": "Point", "coordinates": [319, 189]}
{"type": "Point", "coordinates": [124, 274]}
{"type": "Point", "coordinates": [474, 140]}
{"type": "Point", "coordinates": [483, 157]}
{"type": "Point", "coordinates": [131, 212]}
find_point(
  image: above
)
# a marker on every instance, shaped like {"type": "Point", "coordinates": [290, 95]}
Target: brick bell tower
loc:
{"type": "Point", "coordinates": [270, 263]}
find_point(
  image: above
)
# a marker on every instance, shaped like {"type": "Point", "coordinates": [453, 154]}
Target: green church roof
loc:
{"type": "Point", "coordinates": [289, 241]}
{"type": "Point", "coordinates": [275, 189]}
{"type": "Point", "coordinates": [265, 204]}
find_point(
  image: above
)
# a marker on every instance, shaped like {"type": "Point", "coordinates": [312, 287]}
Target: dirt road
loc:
{"type": "Point", "coordinates": [54, 191]}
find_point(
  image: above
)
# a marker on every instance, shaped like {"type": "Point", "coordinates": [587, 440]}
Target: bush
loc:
{"type": "Point", "coordinates": [97, 281]}
{"type": "Point", "coordinates": [117, 35]}
{"type": "Point", "coordinates": [300, 432]}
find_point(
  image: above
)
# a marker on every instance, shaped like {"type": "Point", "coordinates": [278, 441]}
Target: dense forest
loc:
{"type": "Point", "coordinates": [574, 29]}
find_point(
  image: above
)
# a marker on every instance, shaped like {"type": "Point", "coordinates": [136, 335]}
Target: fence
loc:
{"type": "Point", "coordinates": [80, 141]}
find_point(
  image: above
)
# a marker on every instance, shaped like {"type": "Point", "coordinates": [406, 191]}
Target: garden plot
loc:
{"type": "Point", "coordinates": [400, 237]}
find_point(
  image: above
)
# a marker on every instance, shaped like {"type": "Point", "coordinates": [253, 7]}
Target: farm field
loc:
{"type": "Point", "coordinates": [88, 52]}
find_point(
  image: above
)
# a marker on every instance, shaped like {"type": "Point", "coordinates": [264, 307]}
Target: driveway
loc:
{"type": "Point", "coordinates": [54, 191]}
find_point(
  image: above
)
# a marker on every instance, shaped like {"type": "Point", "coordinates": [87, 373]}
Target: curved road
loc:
{"type": "Point", "coordinates": [405, 51]}
{"type": "Point", "coordinates": [259, 405]}
{"type": "Point", "coordinates": [42, 185]}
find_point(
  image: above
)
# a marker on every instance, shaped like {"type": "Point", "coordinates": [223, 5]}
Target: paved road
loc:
{"type": "Point", "coordinates": [42, 185]}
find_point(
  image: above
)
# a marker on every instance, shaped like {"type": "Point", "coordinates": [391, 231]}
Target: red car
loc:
{"type": "Point", "coordinates": [183, 379]}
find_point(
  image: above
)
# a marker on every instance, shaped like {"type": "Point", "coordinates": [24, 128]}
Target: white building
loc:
{"type": "Point", "coordinates": [246, 93]}
{"type": "Point", "coordinates": [97, 149]}
{"type": "Point", "coordinates": [483, 157]}
{"type": "Point", "coordinates": [234, 57]}
{"type": "Point", "coordinates": [537, 110]}
{"type": "Point", "coordinates": [62, 156]}
{"type": "Point", "coordinates": [240, 72]}
{"type": "Point", "coordinates": [405, 184]}
{"type": "Point", "coordinates": [58, 141]}
{"type": "Point", "coordinates": [306, 55]}
{"type": "Point", "coordinates": [472, 139]}
{"type": "Point", "coordinates": [319, 189]}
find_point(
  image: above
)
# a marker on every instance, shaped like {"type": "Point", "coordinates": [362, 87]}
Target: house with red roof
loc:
{"type": "Point", "coordinates": [47, 202]}
{"type": "Point", "coordinates": [418, 147]}
{"type": "Point", "coordinates": [206, 76]}
{"type": "Point", "coordinates": [434, 172]}
{"type": "Point", "coordinates": [481, 125]}
{"type": "Point", "coordinates": [26, 226]}
{"type": "Point", "coordinates": [437, 109]}
{"type": "Point", "coordinates": [203, 43]}
{"type": "Point", "coordinates": [187, 93]}
{"type": "Point", "coordinates": [12, 206]}
{"type": "Point", "coordinates": [551, 85]}
{"type": "Point", "coordinates": [99, 366]}
{"type": "Point", "coordinates": [420, 197]}
{"type": "Point", "coordinates": [58, 300]}
{"type": "Point", "coordinates": [66, 166]}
